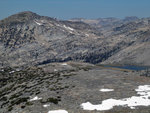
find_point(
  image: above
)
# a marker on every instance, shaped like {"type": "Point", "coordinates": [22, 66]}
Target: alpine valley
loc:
{"type": "Point", "coordinates": [74, 66]}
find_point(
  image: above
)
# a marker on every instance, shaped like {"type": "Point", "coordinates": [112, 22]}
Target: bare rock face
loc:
{"type": "Point", "coordinates": [137, 52]}
{"type": "Point", "coordinates": [27, 38]}
{"type": "Point", "coordinates": [30, 39]}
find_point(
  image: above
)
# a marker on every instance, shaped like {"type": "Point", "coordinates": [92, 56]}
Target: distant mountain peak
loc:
{"type": "Point", "coordinates": [130, 18]}
{"type": "Point", "coordinates": [21, 17]}
{"type": "Point", "coordinates": [26, 13]}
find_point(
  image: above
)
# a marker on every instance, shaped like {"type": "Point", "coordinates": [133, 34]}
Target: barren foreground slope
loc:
{"type": "Point", "coordinates": [67, 86]}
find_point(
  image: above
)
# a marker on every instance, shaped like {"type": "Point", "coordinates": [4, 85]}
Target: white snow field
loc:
{"type": "Point", "coordinates": [142, 99]}
{"type": "Point", "coordinates": [106, 90]}
{"type": "Point", "coordinates": [58, 111]}
{"type": "Point", "coordinates": [35, 98]}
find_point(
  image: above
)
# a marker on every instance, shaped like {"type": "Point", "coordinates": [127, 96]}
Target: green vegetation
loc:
{"type": "Point", "coordinates": [14, 96]}
{"type": "Point", "coordinates": [4, 98]}
{"type": "Point", "coordinates": [29, 104]}
{"type": "Point", "coordinates": [53, 100]}
{"type": "Point", "coordinates": [21, 84]}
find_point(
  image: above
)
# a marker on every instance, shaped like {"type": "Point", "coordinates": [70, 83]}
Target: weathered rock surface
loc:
{"type": "Point", "coordinates": [137, 52]}
{"type": "Point", "coordinates": [131, 33]}
{"type": "Point", "coordinates": [29, 39]}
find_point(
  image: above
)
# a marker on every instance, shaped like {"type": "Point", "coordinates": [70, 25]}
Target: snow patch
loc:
{"type": "Point", "coordinates": [141, 100]}
{"type": "Point", "coordinates": [55, 70]}
{"type": "Point", "coordinates": [106, 90]}
{"type": "Point", "coordinates": [46, 105]}
{"type": "Point", "coordinates": [18, 69]}
{"type": "Point", "coordinates": [64, 64]}
{"type": "Point", "coordinates": [35, 98]}
{"type": "Point", "coordinates": [87, 34]}
{"type": "Point", "coordinates": [69, 28]}
{"type": "Point", "coordinates": [58, 111]}
{"type": "Point", "coordinates": [12, 72]}
{"type": "Point", "coordinates": [38, 23]}
{"type": "Point", "coordinates": [132, 107]}
{"type": "Point", "coordinates": [42, 21]}
{"type": "Point", "coordinates": [144, 88]}
{"type": "Point", "coordinates": [58, 25]}
{"type": "Point", "coordinates": [71, 32]}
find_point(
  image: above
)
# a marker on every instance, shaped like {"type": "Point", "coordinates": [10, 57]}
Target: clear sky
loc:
{"type": "Point", "coordinates": [66, 9]}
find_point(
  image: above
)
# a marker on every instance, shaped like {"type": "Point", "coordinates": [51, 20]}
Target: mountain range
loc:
{"type": "Point", "coordinates": [74, 66]}
{"type": "Point", "coordinates": [27, 39]}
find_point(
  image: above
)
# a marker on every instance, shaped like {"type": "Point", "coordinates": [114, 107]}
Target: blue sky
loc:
{"type": "Point", "coordinates": [66, 9]}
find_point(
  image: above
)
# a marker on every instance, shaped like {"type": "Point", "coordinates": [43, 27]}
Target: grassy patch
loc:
{"type": "Point", "coordinates": [53, 100]}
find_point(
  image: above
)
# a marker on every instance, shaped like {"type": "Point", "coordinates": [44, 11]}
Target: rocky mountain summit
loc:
{"type": "Point", "coordinates": [30, 39]}
{"type": "Point", "coordinates": [27, 38]}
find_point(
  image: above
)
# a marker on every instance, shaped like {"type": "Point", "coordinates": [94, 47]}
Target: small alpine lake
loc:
{"type": "Point", "coordinates": [127, 67]}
